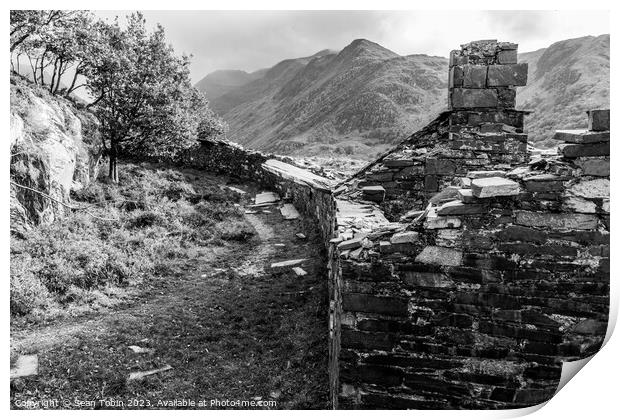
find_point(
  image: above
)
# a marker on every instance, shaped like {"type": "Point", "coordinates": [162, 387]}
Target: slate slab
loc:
{"type": "Point", "coordinates": [26, 365]}
{"type": "Point", "coordinates": [494, 187]}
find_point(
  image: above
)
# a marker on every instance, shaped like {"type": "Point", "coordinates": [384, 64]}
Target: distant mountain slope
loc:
{"type": "Point", "coordinates": [222, 81]}
{"type": "Point", "coordinates": [355, 102]}
{"type": "Point", "coordinates": [565, 79]}
{"type": "Point", "coordinates": [359, 101]}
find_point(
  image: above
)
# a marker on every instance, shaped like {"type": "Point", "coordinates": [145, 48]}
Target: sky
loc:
{"type": "Point", "coordinates": [251, 40]}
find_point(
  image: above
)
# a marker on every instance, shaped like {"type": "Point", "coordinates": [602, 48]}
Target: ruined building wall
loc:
{"type": "Point", "coordinates": [462, 272]}
{"type": "Point", "coordinates": [481, 130]}
{"type": "Point", "coordinates": [474, 300]}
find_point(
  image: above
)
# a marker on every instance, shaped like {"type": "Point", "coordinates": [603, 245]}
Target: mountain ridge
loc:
{"type": "Point", "coordinates": [364, 98]}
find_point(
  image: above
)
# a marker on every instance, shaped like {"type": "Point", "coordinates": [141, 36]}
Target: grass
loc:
{"type": "Point", "coordinates": [203, 300]}
{"type": "Point", "coordinates": [152, 218]}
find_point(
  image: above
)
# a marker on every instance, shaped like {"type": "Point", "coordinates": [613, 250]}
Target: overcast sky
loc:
{"type": "Point", "coordinates": [250, 40]}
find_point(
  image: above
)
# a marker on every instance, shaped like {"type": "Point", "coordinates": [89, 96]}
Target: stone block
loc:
{"type": "Point", "coordinates": [507, 97]}
{"type": "Point", "coordinates": [374, 193]}
{"type": "Point", "coordinates": [398, 163]}
{"type": "Point", "coordinates": [593, 188]}
{"type": "Point", "coordinates": [594, 166]}
{"type": "Point", "coordinates": [436, 255]}
{"type": "Point", "coordinates": [385, 305]}
{"type": "Point", "coordinates": [457, 58]}
{"type": "Point", "coordinates": [494, 187]}
{"type": "Point", "coordinates": [380, 176]}
{"type": "Point", "coordinates": [430, 183]}
{"type": "Point", "coordinates": [436, 222]}
{"type": "Point", "coordinates": [455, 77]}
{"type": "Point", "coordinates": [366, 340]}
{"type": "Point", "coordinates": [380, 375]}
{"type": "Point", "coordinates": [474, 98]}
{"type": "Point", "coordinates": [474, 76]}
{"type": "Point", "coordinates": [598, 120]}
{"type": "Point", "coordinates": [440, 166]}
{"type": "Point", "coordinates": [466, 196]}
{"type": "Point", "coordinates": [409, 172]}
{"type": "Point", "coordinates": [492, 128]}
{"type": "Point", "coordinates": [580, 150]}
{"type": "Point", "coordinates": [556, 220]}
{"type": "Point", "coordinates": [385, 247]}
{"type": "Point", "coordinates": [404, 238]}
{"type": "Point", "coordinates": [507, 75]}
{"type": "Point", "coordinates": [459, 208]}
{"type": "Point", "coordinates": [579, 205]}
{"type": "Point", "coordinates": [351, 244]}
{"type": "Point", "coordinates": [434, 280]}
{"type": "Point", "coordinates": [544, 183]}
{"type": "Point", "coordinates": [504, 45]}
{"type": "Point", "coordinates": [591, 327]}
{"type": "Point", "coordinates": [507, 57]}
{"type": "Point", "coordinates": [581, 136]}
{"type": "Point", "coordinates": [520, 233]}
{"type": "Point", "coordinates": [484, 174]}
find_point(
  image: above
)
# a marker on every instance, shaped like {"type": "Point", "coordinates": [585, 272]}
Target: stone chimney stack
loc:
{"type": "Point", "coordinates": [485, 74]}
{"type": "Point", "coordinates": [483, 81]}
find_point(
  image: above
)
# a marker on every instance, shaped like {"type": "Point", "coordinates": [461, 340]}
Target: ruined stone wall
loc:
{"type": "Point", "coordinates": [220, 156]}
{"type": "Point", "coordinates": [462, 273]}
{"type": "Point", "coordinates": [309, 193]}
{"type": "Point", "coordinates": [482, 130]}
{"type": "Point", "coordinates": [476, 296]}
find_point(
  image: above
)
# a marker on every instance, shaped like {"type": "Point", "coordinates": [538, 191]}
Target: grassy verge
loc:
{"type": "Point", "coordinates": [154, 218]}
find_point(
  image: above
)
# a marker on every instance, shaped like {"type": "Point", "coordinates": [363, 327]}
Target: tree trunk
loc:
{"type": "Point", "coordinates": [113, 170]}
{"type": "Point", "coordinates": [41, 69]}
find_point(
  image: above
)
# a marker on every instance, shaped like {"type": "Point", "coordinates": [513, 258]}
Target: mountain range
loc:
{"type": "Point", "coordinates": [361, 100]}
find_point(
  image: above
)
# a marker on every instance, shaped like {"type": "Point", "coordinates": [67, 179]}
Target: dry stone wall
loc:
{"type": "Point", "coordinates": [308, 192]}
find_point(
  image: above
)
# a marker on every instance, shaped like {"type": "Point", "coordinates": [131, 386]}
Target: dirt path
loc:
{"type": "Point", "coordinates": [230, 327]}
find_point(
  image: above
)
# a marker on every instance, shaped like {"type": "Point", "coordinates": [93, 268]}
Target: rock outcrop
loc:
{"type": "Point", "coordinates": [55, 148]}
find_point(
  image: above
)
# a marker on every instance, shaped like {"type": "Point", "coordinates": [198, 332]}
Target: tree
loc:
{"type": "Point", "coordinates": [143, 94]}
{"type": "Point", "coordinates": [54, 41]}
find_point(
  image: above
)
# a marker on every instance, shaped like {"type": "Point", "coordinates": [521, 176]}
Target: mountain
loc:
{"type": "Point", "coordinates": [222, 81]}
{"type": "Point", "coordinates": [361, 100]}
{"type": "Point", "coordinates": [357, 101]}
{"type": "Point", "coordinates": [565, 79]}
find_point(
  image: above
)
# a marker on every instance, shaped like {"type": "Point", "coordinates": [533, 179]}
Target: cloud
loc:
{"type": "Point", "coordinates": [249, 40]}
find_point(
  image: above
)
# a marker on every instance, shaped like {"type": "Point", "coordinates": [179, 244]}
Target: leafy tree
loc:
{"type": "Point", "coordinates": [143, 94]}
{"type": "Point", "coordinates": [29, 23]}
{"type": "Point", "coordinates": [54, 41]}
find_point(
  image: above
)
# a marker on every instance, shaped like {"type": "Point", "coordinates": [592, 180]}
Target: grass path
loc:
{"type": "Point", "coordinates": [229, 326]}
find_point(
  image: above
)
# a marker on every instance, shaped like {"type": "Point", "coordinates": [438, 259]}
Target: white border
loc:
{"type": "Point", "coordinates": [592, 394]}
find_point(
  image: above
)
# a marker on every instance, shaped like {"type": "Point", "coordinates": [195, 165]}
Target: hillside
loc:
{"type": "Point", "coordinates": [222, 81]}
{"type": "Point", "coordinates": [359, 101]}
{"type": "Point", "coordinates": [356, 102]}
{"type": "Point", "coordinates": [565, 79]}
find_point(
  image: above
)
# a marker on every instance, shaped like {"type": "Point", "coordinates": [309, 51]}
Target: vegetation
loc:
{"type": "Point", "coordinates": [155, 218]}
{"type": "Point", "coordinates": [141, 91]}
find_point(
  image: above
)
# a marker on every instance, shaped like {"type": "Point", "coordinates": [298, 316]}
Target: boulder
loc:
{"type": "Point", "coordinates": [55, 149]}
